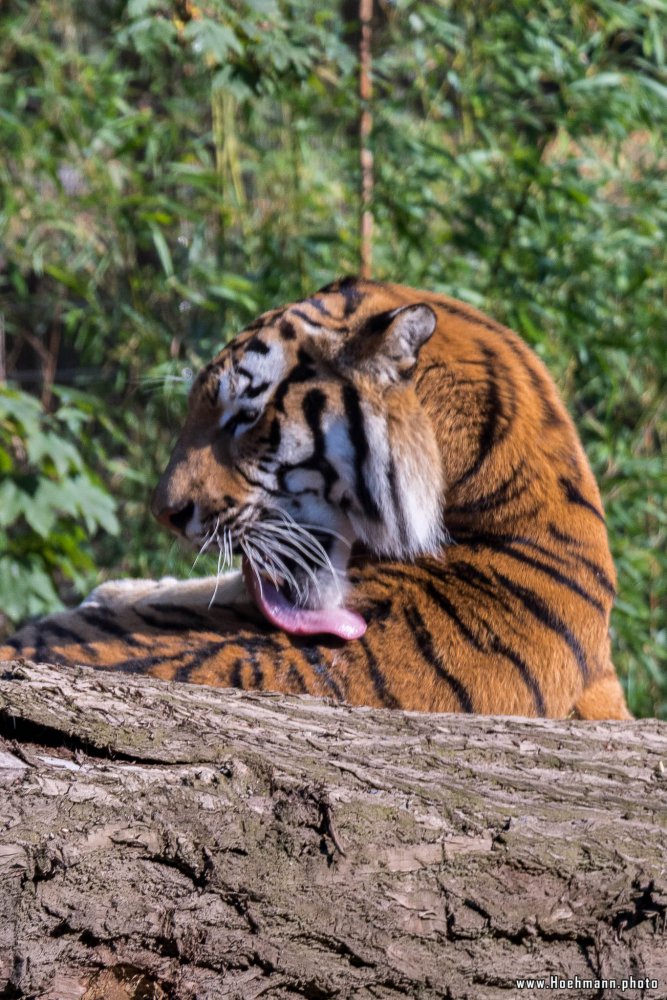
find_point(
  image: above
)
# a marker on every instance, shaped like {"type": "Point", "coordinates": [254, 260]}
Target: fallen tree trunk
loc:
{"type": "Point", "coordinates": [159, 840]}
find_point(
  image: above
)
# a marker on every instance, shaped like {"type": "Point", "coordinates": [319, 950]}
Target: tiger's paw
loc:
{"type": "Point", "coordinates": [603, 699]}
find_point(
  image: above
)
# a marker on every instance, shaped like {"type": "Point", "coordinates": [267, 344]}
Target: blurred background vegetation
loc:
{"type": "Point", "coordinates": [169, 170]}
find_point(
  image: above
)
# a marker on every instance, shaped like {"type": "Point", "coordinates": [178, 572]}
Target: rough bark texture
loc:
{"type": "Point", "coordinates": [173, 841]}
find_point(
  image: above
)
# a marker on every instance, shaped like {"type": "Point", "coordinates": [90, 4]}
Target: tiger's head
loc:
{"type": "Point", "coordinates": [304, 436]}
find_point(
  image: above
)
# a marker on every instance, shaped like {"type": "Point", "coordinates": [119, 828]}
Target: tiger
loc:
{"type": "Point", "coordinates": [417, 524]}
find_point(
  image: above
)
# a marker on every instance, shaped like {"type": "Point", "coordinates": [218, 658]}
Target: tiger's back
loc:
{"type": "Point", "coordinates": [507, 611]}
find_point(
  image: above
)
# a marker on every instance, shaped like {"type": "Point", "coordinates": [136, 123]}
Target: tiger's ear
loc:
{"type": "Point", "coordinates": [388, 344]}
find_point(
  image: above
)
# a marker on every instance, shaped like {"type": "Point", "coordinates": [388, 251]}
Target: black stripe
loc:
{"type": "Point", "coordinates": [347, 287]}
{"type": "Point", "coordinates": [529, 680]}
{"type": "Point", "coordinates": [254, 620]}
{"type": "Point", "coordinates": [352, 297]}
{"type": "Point", "coordinates": [484, 321]}
{"type": "Point", "coordinates": [495, 645]}
{"type": "Point", "coordinates": [379, 683]}
{"type": "Point", "coordinates": [478, 581]}
{"type": "Point", "coordinates": [506, 546]}
{"type": "Point", "coordinates": [50, 632]}
{"type": "Point", "coordinates": [492, 432]}
{"type": "Point", "coordinates": [402, 572]}
{"type": "Point", "coordinates": [508, 491]}
{"type": "Point", "coordinates": [296, 680]}
{"type": "Point", "coordinates": [304, 316]}
{"type": "Point", "coordinates": [280, 494]}
{"type": "Point", "coordinates": [377, 324]}
{"type": "Point", "coordinates": [469, 536]}
{"type": "Point", "coordinates": [257, 324]}
{"type": "Point", "coordinates": [434, 366]}
{"type": "Point", "coordinates": [377, 610]}
{"type": "Point", "coordinates": [142, 664]}
{"type": "Point", "coordinates": [236, 680]}
{"type": "Point", "coordinates": [574, 496]}
{"type": "Point", "coordinates": [547, 616]}
{"type": "Point", "coordinates": [424, 641]}
{"type": "Point", "coordinates": [598, 572]}
{"type": "Point", "coordinates": [257, 672]}
{"type": "Point", "coordinates": [321, 669]}
{"type": "Point", "coordinates": [275, 435]}
{"type": "Point", "coordinates": [193, 659]}
{"type": "Point", "coordinates": [551, 418]}
{"type": "Point", "coordinates": [303, 371]}
{"type": "Point", "coordinates": [357, 433]}
{"type": "Point", "coordinates": [253, 391]}
{"type": "Point", "coordinates": [252, 645]}
{"type": "Point", "coordinates": [318, 304]}
{"type": "Point", "coordinates": [242, 416]}
{"type": "Point", "coordinates": [287, 331]}
{"type": "Point", "coordinates": [446, 605]}
{"type": "Point", "coordinates": [257, 346]}
{"type": "Point", "coordinates": [330, 288]}
{"type": "Point", "coordinates": [561, 536]}
{"type": "Point", "coordinates": [264, 320]}
{"type": "Point", "coordinates": [106, 624]}
{"type": "Point", "coordinates": [313, 404]}
{"type": "Point", "coordinates": [178, 617]}
{"type": "Point", "coordinates": [42, 653]}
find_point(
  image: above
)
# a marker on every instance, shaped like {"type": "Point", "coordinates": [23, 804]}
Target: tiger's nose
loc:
{"type": "Point", "coordinates": [175, 518]}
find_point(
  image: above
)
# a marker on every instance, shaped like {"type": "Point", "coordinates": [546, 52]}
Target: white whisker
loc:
{"type": "Point", "coordinates": [305, 525]}
{"type": "Point", "coordinates": [283, 545]}
{"type": "Point", "coordinates": [208, 539]}
{"type": "Point", "coordinates": [289, 542]}
{"type": "Point", "coordinates": [273, 564]}
{"type": "Point", "coordinates": [217, 577]}
{"type": "Point", "coordinates": [254, 558]}
{"type": "Point", "coordinates": [315, 548]}
{"type": "Point", "coordinates": [305, 538]}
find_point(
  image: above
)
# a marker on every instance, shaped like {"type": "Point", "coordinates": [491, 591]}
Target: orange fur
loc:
{"type": "Point", "coordinates": [511, 617]}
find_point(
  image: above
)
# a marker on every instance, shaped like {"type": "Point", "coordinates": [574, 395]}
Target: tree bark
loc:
{"type": "Point", "coordinates": [171, 841]}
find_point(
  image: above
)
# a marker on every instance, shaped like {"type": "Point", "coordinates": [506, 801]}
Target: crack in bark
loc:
{"type": "Point", "coordinates": [17, 730]}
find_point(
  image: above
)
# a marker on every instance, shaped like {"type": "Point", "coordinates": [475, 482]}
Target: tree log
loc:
{"type": "Point", "coordinates": [171, 841]}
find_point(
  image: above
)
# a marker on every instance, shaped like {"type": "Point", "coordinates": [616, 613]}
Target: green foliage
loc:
{"type": "Point", "coordinates": [170, 170]}
{"type": "Point", "coordinates": [49, 502]}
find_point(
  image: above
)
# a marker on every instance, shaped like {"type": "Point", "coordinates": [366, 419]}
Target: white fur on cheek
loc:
{"type": "Point", "coordinates": [420, 487]}
{"type": "Point", "coordinates": [258, 370]}
{"type": "Point", "coordinates": [403, 475]}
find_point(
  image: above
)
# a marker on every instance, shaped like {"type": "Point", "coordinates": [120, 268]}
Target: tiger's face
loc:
{"type": "Point", "coordinates": [304, 436]}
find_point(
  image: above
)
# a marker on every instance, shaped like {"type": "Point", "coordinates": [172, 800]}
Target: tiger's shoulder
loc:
{"type": "Point", "coordinates": [416, 519]}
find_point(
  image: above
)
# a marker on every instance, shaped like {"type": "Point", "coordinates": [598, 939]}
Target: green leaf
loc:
{"type": "Point", "coordinates": [598, 81]}
{"type": "Point", "coordinates": [12, 502]}
{"type": "Point", "coordinates": [163, 251]}
{"type": "Point", "coordinates": [212, 39]}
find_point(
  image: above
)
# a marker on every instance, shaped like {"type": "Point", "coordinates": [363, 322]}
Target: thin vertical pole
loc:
{"type": "Point", "coordinates": [3, 351]}
{"type": "Point", "coordinates": [365, 126]}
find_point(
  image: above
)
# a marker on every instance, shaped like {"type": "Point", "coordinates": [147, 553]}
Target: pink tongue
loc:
{"type": "Point", "coordinates": [276, 608]}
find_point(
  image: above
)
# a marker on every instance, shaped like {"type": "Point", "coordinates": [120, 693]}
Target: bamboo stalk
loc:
{"type": "Point", "coordinates": [3, 350]}
{"type": "Point", "coordinates": [365, 153]}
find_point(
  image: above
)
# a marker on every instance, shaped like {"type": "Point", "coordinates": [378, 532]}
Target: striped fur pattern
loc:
{"type": "Point", "coordinates": [397, 453]}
